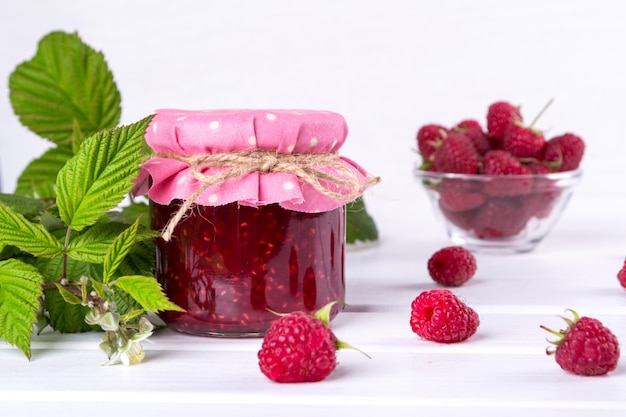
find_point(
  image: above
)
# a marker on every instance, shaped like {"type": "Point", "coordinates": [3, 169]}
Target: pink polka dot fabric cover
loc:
{"type": "Point", "coordinates": [195, 132]}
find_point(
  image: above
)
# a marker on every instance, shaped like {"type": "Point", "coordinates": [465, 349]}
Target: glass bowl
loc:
{"type": "Point", "coordinates": [510, 213]}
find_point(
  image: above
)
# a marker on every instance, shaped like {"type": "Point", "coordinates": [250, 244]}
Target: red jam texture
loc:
{"type": "Point", "coordinates": [227, 265]}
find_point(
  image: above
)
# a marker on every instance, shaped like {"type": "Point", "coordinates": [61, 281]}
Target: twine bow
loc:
{"type": "Point", "coordinates": [304, 166]}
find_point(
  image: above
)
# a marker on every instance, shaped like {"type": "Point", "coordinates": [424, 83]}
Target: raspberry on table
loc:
{"type": "Point", "coordinates": [452, 266]}
{"type": "Point", "coordinates": [586, 347]}
{"type": "Point", "coordinates": [300, 347]}
{"type": "Point", "coordinates": [621, 275]}
{"type": "Point", "coordinates": [440, 316]}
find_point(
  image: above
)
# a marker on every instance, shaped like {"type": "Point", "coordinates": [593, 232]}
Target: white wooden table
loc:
{"type": "Point", "coordinates": [502, 370]}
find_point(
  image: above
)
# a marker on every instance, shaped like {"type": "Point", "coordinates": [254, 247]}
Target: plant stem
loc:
{"type": "Point", "coordinates": [548, 104]}
{"type": "Point", "coordinates": [65, 246]}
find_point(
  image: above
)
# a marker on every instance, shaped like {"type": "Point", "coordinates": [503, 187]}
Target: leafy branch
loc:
{"type": "Point", "coordinates": [71, 257]}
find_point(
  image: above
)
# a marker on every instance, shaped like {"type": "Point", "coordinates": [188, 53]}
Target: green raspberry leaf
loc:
{"type": "Point", "coordinates": [64, 317]}
{"type": "Point", "coordinates": [33, 238]}
{"type": "Point", "coordinates": [66, 80]}
{"type": "Point", "coordinates": [20, 289]}
{"type": "Point", "coordinates": [26, 206]}
{"type": "Point", "coordinates": [147, 292]}
{"type": "Point", "coordinates": [118, 251]}
{"type": "Point", "coordinates": [360, 226]}
{"type": "Point", "coordinates": [39, 177]}
{"type": "Point", "coordinates": [137, 209]}
{"type": "Point", "coordinates": [68, 296]}
{"type": "Point", "coordinates": [93, 244]}
{"type": "Point", "coordinates": [98, 177]}
{"type": "Point", "coordinates": [140, 260]}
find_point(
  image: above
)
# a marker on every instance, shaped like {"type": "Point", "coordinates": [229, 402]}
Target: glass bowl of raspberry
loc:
{"type": "Point", "coordinates": [498, 213]}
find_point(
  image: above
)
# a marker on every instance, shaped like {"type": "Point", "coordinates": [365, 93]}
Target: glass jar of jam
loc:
{"type": "Point", "coordinates": [230, 264]}
{"type": "Point", "coordinates": [252, 208]}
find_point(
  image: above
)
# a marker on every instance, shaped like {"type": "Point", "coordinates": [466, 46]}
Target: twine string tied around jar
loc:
{"type": "Point", "coordinates": [304, 166]}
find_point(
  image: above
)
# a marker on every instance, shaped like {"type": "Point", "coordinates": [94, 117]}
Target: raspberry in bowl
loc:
{"type": "Point", "coordinates": [498, 213]}
{"type": "Point", "coordinates": [502, 188]}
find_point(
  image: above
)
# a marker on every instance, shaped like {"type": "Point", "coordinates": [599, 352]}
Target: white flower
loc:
{"type": "Point", "coordinates": [132, 353]}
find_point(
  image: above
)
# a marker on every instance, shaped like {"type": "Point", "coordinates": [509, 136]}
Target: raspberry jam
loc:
{"type": "Point", "coordinates": [227, 265]}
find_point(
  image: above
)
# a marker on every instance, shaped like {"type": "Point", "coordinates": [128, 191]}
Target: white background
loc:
{"type": "Point", "coordinates": [387, 66]}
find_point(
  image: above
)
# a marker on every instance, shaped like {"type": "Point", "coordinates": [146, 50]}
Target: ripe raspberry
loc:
{"type": "Point", "coordinates": [523, 142]}
{"type": "Point", "coordinates": [539, 204]}
{"type": "Point", "coordinates": [474, 131]}
{"type": "Point", "coordinates": [564, 152]}
{"type": "Point", "coordinates": [499, 115]}
{"type": "Point", "coordinates": [463, 125]}
{"type": "Point", "coordinates": [299, 347]}
{"type": "Point", "coordinates": [459, 195]}
{"type": "Point", "coordinates": [452, 266]}
{"type": "Point", "coordinates": [537, 168]}
{"type": "Point", "coordinates": [502, 163]}
{"type": "Point", "coordinates": [462, 219]}
{"type": "Point", "coordinates": [429, 139]}
{"type": "Point", "coordinates": [500, 218]}
{"type": "Point", "coordinates": [438, 315]}
{"type": "Point", "coordinates": [456, 155]}
{"type": "Point", "coordinates": [621, 275]}
{"type": "Point", "coordinates": [586, 347]}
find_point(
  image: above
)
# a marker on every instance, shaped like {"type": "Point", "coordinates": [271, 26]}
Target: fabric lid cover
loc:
{"type": "Point", "coordinates": [187, 133]}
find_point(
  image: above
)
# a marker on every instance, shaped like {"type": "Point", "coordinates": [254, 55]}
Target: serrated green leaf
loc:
{"type": "Point", "coordinates": [26, 206]}
{"type": "Point", "coordinates": [147, 292]}
{"type": "Point", "coordinates": [118, 251]}
{"type": "Point", "coordinates": [99, 176]}
{"type": "Point", "coordinates": [38, 179]}
{"type": "Point", "coordinates": [136, 210]}
{"type": "Point", "coordinates": [140, 260]}
{"type": "Point", "coordinates": [68, 296]}
{"type": "Point", "coordinates": [360, 226]}
{"type": "Point", "coordinates": [33, 238]}
{"type": "Point", "coordinates": [78, 137]}
{"type": "Point", "coordinates": [66, 80]}
{"type": "Point", "coordinates": [64, 317]}
{"type": "Point", "coordinates": [20, 289]}
{"type": "Point", "coordinates": [52, 269]}
{"type": "Point", "coordinates": [131, 315]}
{"type": "Point", "coordinates": [93, 243]}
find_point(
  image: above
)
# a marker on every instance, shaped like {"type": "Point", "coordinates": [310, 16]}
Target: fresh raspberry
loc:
{"type": "Point", "coordinates": [463, 125]}
{"type": "Point", "coordinates": [462, 219]}
{"type": "Point", "coordinates": [452, 266]}
{"type": "Point", "coordinates": [429, 139]}
{"type": "Point", "coordinates": [502, 163]}
{"type": "Point", "coordinates": [438, 315]}
{"type": "Point", "coordinates": [523, 142]}
{"type": "Point", "coordinates": [456, 155]}
{"type": "Point", "coordinates": [299, 347]}
{"type": "Point", "coordinates": [500, 218]}
{"type": "Point", "coordinates": [473, 130]}
{"type": "Point", "coordinates": [456, 200]}
{"type": "Point", "coordinates": [500, 115]}
{"type": "Point", "coordinates": [537, 168]}
{"type": "Point", "coordinates": [539, 204]}
{"type": "Point", "coordinates": [621, 275]}
{"type": "Point", "coordinates": [460, 195]}
{"type": "Point", "coordinates": [564, 152]}
{"type": "Point", "coordinates": [586, 347]}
